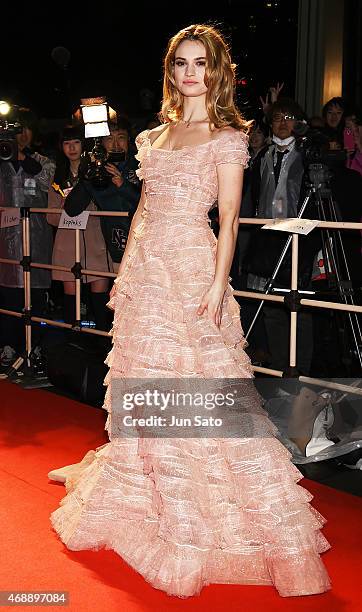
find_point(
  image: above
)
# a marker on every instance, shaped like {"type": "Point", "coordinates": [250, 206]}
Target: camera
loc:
{"type": "Point", "coordinates": [95, 112]}
{"type": "Point", "coordinates": [92, 166]}
{"type": "Point", "coordinates": [9, 128]}
{"type": "Point", "coordinates": [319, 159]}
{"type": "Point", "coordinates": [314, 146]}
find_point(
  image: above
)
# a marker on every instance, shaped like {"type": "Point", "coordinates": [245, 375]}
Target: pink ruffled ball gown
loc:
{"type": "Point", "coordinates": [188, 512]}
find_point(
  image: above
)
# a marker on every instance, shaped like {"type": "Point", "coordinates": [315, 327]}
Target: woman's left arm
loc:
{"type": "Point", "coordinates": [230, 185]}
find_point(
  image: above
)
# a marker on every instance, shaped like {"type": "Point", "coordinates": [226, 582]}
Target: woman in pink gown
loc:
{"type": "Point", "coordinates": [188, 512]}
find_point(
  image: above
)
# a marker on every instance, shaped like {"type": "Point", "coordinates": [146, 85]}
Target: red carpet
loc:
{"type": "Point", "coordinates": [40, 431]}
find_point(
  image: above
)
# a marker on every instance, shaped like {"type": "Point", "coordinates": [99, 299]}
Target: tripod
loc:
{"type": "Point", "coordinates": [335, 260]}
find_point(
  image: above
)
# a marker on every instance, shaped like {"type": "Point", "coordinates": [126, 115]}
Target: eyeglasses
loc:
{"type": "Point", "coordinates": [279, 117]}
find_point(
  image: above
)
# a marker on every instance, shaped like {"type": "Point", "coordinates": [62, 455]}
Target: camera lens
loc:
{"type": "Point", "coordinates": [6, 150]}
{"type": "Point", "coordinates": [116, 157]}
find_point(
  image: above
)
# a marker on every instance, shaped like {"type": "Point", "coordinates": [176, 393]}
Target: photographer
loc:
{"type": "Point", "coordinates": [24, 182]}
{"type": "Point", "coordinates": [277, 189]}
{"type": "Point", "coordinates": [108, 178]}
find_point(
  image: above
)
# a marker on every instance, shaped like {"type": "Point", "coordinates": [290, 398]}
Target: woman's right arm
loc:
{"type": "Point", "coordinates": [77, 200]}
{"type": "Point", "coordinates": [131, 242]}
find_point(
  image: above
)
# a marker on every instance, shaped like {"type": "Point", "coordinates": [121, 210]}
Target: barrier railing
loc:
{"type": "Point", "coordinates": [333, 225]}
{"type": "Point", "coordinates": [78, 271]}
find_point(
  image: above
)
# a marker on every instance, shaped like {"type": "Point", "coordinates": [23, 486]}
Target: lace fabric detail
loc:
{"type": "Point", "coordinates": [141, 143]}
{"type": "Point", "coordinates": [232, 148]}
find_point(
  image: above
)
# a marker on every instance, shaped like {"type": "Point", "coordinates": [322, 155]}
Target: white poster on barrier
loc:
{"type": "Point", "coordinates": [78, 222]}
{"type": "Point", "coordinates": [294, 225]}
{"type": "Point", "coordinates": [9, 217]}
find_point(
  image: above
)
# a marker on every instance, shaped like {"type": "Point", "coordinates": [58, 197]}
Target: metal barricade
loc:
{"type": "Point", "coordinates": [77, 270]}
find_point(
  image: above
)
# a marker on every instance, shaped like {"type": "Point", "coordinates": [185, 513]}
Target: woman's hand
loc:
{"type": "Point", "coordinates": [212, 302]}
{"type": "Point", "coordinates": [265, 103]}
{"type": "Point", "coordinates": [117, 178]}
{"type": "Point", "coordinates": [275, 91]}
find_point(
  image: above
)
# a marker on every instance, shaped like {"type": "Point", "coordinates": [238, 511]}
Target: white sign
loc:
{"type": "Point", "coordinates": [78, 222]}
{"type": "Point", "coordinates": [295, 226]}
{"type": "Point", "coordinates": [9, 217]}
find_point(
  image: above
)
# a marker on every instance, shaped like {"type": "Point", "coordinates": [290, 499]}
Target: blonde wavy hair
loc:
{"type": "Point", "coordinates": [219, 80]}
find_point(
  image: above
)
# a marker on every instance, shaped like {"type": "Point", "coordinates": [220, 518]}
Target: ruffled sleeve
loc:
{"type": "Point", "coordinates": [232, 148]}
{"type": "Point", "coordinates": [142, 142]}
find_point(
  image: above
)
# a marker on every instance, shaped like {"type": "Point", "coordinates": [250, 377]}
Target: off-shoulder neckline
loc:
{"type": "Point", "coordinates": [202, 144]}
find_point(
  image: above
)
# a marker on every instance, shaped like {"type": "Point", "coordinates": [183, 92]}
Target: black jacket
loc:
{"type": "Point", "coordinates": [111, 198]}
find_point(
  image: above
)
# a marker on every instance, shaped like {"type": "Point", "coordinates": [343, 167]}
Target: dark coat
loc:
{"type": "Point", "coordinates": [263, 247]}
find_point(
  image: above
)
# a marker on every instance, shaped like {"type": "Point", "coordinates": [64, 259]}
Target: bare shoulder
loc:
{"type": "Point", "coordinates": [158, 128]}
{"type": "Point", "coordinates": [147, 135]}
{"type": "Point", "coordinates": [156, 131]}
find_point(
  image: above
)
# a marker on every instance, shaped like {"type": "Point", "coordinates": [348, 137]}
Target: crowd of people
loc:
{"type": "Point", "coordinates": [34, 180]}
{"type": "Point", "coordinates": [275, 185]}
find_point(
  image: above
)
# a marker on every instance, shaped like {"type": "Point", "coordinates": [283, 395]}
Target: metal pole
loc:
{"type": "Point", "coordinates": [27, 280]}
{"type": "Point", "coordinates": [77, 280]}
{"type": "Point", "coordinates": [293, 314]}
